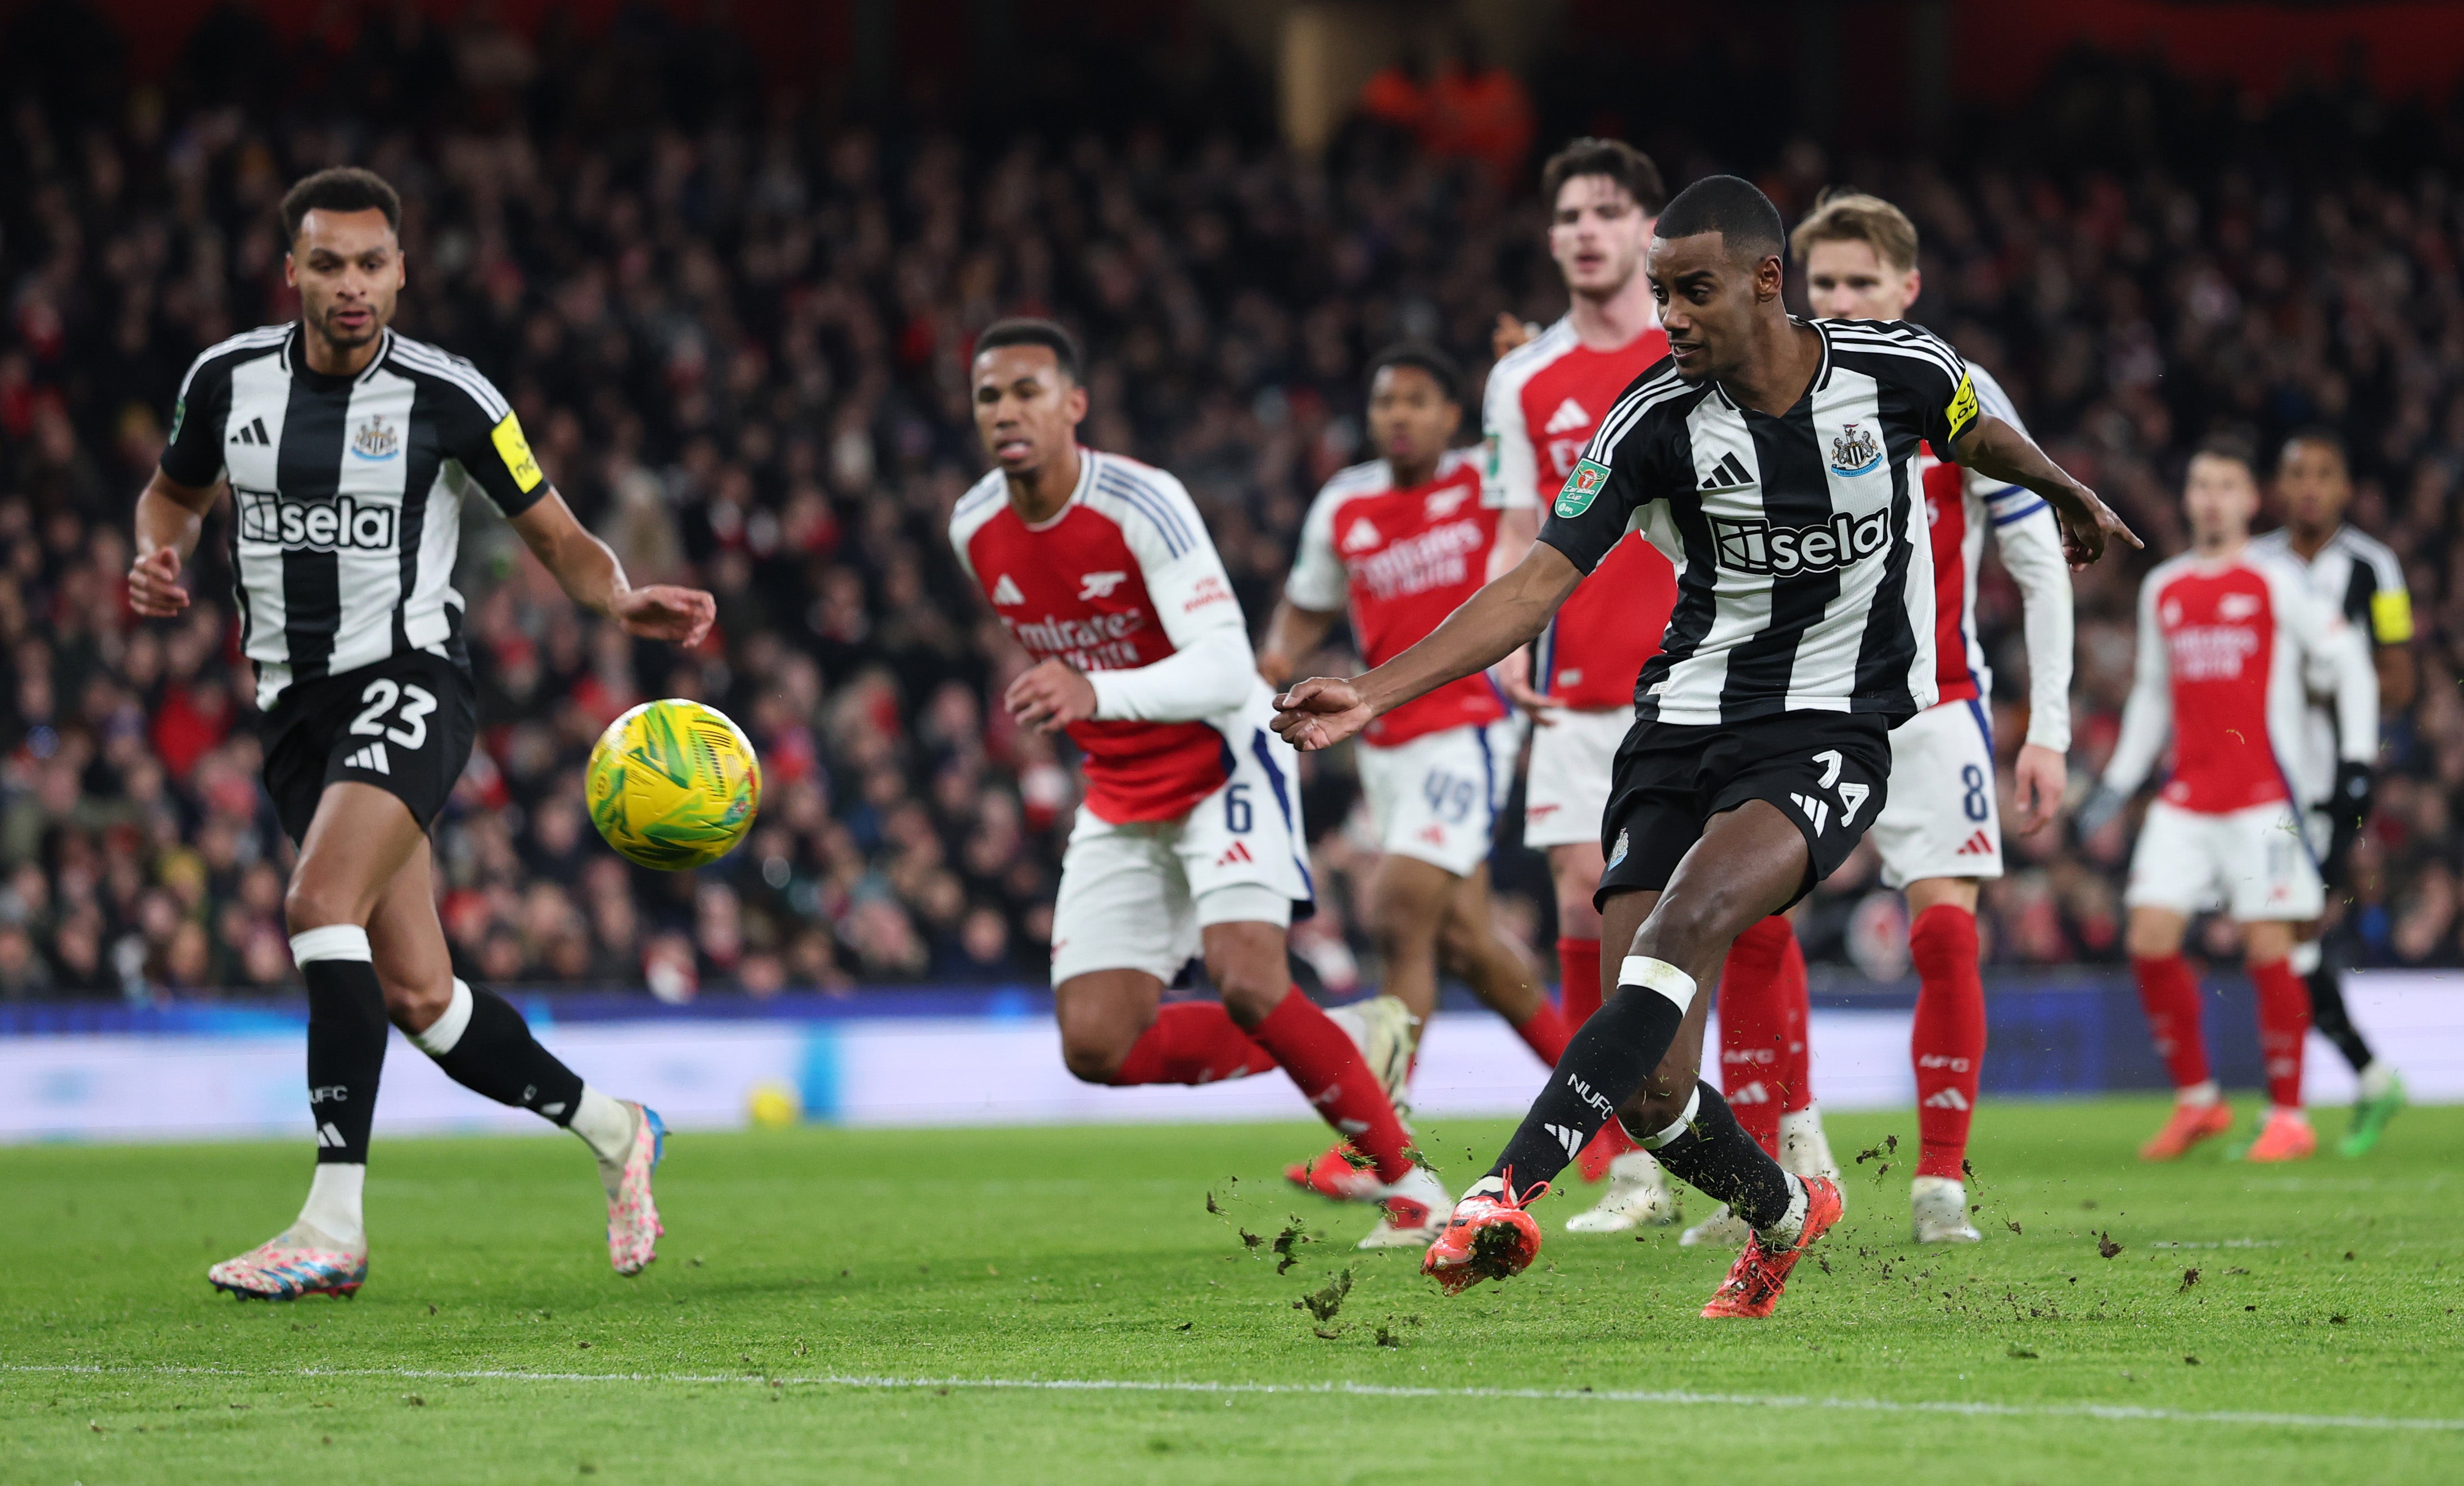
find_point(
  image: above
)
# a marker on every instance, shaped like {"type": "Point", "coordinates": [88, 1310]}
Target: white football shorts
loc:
{"type": "Point", "coordinates": [2254, 862]}
{"type": "Point", "coordinates": [1567, 790]}
{"type": "Point", "coordinates": [1436, 798]}
{"type": "Point", "coordinates": [1135, 895]}
{"type": "Point", "coordinates": [1941, 817]}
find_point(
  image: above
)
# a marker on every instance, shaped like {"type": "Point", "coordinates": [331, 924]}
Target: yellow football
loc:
{"type": "Point", "coordinates": [673, 785]}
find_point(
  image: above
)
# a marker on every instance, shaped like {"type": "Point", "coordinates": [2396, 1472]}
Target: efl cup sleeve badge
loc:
{"type": "Point", "coordinates": [1583, 485]}
{"type": "Point", "coordinates": [376, 439]}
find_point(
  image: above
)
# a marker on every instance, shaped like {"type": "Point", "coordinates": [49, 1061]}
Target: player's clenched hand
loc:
{"type": "Point", "coordinates": [1320, 713]}
{"type": "Point", "coordinates": [2088, 524]}
{"type": "Point", "coordinates": [2038, 781]}
{"type": "Point", "coordinates": [154, 584]}
{"type": "Point", "coordinates": [1050, 697]}
{"type": "Point", "coordinates": [663, 611]}
{"type": "Point", "coordinates": [1514, 678]}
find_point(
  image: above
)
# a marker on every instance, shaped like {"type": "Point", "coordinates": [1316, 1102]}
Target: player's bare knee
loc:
{"type": "Point", "coordinates": [313, 900]}
{"type": "Point", "coordinates": [1690, 923]}
{"type": "Point", "coordinates": [2152, 937]}
{"type": "Point", "coordinates": [414, 1006]}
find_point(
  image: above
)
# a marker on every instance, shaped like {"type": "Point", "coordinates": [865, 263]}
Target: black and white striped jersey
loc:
{"type": "Point", "coordinates": [346, 494]}
{"type": "Point", "coordinates": [1805, 575]}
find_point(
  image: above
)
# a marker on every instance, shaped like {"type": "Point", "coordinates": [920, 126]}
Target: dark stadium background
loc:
{"type": "Point", "coordinates": [727, 261]}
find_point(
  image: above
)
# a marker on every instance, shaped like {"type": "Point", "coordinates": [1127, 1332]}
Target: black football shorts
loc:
{"type": "Point", "coordinates": [1824, 771]}
{"type": "Point", "coordinates": [404, 724]}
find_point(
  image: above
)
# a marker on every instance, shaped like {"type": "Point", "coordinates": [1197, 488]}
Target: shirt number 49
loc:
{"type": "Point", "coordinates": [1852, 794]}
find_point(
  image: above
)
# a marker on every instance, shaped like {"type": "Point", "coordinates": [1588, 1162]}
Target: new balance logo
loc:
{"type": "Point", "coordinates": [251, 431]}
{"type": "Point", "coordinates": [1239, 852]}
{"type": "Point", "coordinates": [1977, 845]}
{"type": "Point", "coordinates": [1817, 812]}
{"type": "Point", "coordinates": [372, 758]}
{"type": "Point", "coordinates": [1569, 416]}
{"type": "Point", "coordinates": [1006, 592]}
{"type": "Point", "coordinates": [1729, 475]}
{"type": "Point", "coordinates": [1571, 1139]}
{"type": "Point", "coordinates": [1946, 1099]}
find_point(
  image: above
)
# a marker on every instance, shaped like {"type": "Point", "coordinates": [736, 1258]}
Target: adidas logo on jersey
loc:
{"type": "Point", "coordinates": [1006, 592]}
{"type": "Point", "coordinates": [342, 525]}
{"type": "Point", "coordinates": [1946, 1099]}
{"type": "Point", "coordinates": [372, 758]}
{"type": "Point", "coordinates": [251, 433]}
{"type": "Point", "coordinates": [1361, 537]}
{"type": "Point", "coordinates": [1751, 1094]}
{"type": "Point", "coordinates": [1239, 852]}
{"type": "Point", "coordinates": [1569, 416]}
{"type": "Point", "coordinates": [1977, 844]}
{"type": "Point", "coordinates": [1570, 1138]}
{"type": "Point", "coordinates": [1817, 812]}
{"type": "Point", "coordinates": [1728, 475]}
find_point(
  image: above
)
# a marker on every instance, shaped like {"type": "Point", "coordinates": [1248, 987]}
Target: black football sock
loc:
{"type": "Point", "coordinates": [2327, 1013]}
{"type": "Point", "coordinates": [1604, 1064]}
{"type": "Point", "coordinates": [1711, 1151]}
{"type": "Point", "coordinates": [346, 1038]}
{"type": "Point", "coordinates": [483, 1044]}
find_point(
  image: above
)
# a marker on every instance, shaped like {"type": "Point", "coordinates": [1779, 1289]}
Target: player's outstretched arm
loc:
{"type": "Point", "coordinates": [1997, 450]}
{"type": "Point", "coordinates": [1505, 613]}
{"type": "Point", "coordinates": [169, 517]}
{"type": "Point", "coordinates": [591, 577]}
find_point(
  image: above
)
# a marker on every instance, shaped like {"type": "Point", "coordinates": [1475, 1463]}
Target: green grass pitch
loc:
{"type": "Point", "coordinates": [854, 1306]}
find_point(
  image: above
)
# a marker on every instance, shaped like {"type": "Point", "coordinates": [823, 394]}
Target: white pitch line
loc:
{"type": "Point", "coordinates": [2117, 1412]}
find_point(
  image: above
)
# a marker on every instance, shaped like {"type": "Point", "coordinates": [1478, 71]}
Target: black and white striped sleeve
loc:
{"type": "Point", "coordinates": [478, 428]}
{"type": "Point", "coordinates": [193, 454]}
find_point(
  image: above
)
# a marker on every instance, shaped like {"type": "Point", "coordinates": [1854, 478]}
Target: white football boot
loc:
{"type": "Point", "coordinates": [1940, 1207]}
{"type": "Point", "coordinates": [1386, 1031]}
{"type": "Point", "coordinates": [1721, 1230]}
{"type": "Point", "coordinates": [1638, 1197]}
{"type": "Point", "coordinates": [1413, 1211]}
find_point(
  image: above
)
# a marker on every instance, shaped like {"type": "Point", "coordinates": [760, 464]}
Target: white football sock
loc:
{"type": "Point", "coordinates": [446, 1031]}
{"type": "Point", "coordinates": [1782, 1235]}
{"type": "Point", "coordinates": [1487, 1187]}
{"type": "Point", "coordinates": [2199, 1095]}
{"type": "Point", "coordinates": [333, 1205]}
{"type": "Point", "coordinates": [2304, 958]}
{"type": "Point", "coordinates": [603, 1124]}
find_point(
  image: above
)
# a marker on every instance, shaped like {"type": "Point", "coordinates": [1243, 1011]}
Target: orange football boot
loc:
{"type": "Point", "coordinates": [1754, 1282]}
{"type": "Point", "coordinates": [1337, 1172]}
{"type": "Point", "coordinates": [2286, 1136]}
{"type": "Point", "coordinates": [2187, 1126]}
{"type": "Point", "coordinates": [1487, 1237]}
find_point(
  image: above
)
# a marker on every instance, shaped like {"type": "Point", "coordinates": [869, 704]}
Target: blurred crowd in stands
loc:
{"type": "Point", "coordinates": [738, 337]}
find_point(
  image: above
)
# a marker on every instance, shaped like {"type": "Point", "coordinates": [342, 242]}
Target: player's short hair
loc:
{"type": "Point", "coordinates": [1735, 208]}
{"type": "Point", "coordinates": [2233, 444]}
{"type": "Point", "coordinates": [1439, 367]}
{"type": "Point", "coordinates": [1629, 167]}
{"type": "Point", "coordinates": [2324, 437]}
{"type": "Point", "coordinates": [339, 188]}
{"type": "Point", "coordinates": [1020, 331]}
{"type": "Point", "coordinates": [1845, 216]}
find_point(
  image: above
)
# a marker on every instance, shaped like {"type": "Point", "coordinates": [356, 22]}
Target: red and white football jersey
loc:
{"type": "Point", "coordinates": [1544, 401]}
{"type": "Point", "coordinates": [2229, 650]}
{"type": "Point", "coordinates": [1960, 506]}
{"type": "Point", "coordinates": [1405, 559]}
{"type": "Point", "coordinates": [1123, 577]}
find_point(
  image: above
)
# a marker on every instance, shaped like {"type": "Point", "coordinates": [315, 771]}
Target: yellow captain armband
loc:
{"type": "Point", "coordinates": [2391, 616]}
{"type": "Point", "coordinates": [1962, 411]}
{"type": "Point", "coordinates": [515, 452]}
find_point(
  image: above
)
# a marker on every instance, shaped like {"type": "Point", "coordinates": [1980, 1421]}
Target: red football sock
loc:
{"type": "Point", "coordinates": [1578, 972]}
{"type": "Point", "coordinates": [1948, 1041]}
{"type": "Point", "coordinates": [1193, 1042]}
{"type": "Point", "coordinates": [2169, 993]}
{"type": "Point", "coordinates": [2284, 1026]}
{"type": "Point", "coordinates": [1337, 1084]}
{"type": "Point", "coordinates": [1796, 1069]}
{"type": "Point", "coordinates": [1753, 1030]}
{"type": "Point", "coordinates": [1544, 1032]}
